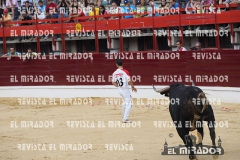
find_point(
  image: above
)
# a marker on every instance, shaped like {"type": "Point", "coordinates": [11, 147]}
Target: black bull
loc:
{"type": "Point", "coordinates": [189, 104]}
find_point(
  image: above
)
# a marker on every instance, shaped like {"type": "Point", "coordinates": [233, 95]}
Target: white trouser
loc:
{"type": "Point", "coordinates": [127, 103]}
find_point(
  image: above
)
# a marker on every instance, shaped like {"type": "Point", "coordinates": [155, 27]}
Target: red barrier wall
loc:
{"type": "Point", "coordinates": [167, 67]}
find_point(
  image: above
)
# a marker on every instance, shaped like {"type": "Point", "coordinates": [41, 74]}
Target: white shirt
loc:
{"type": "Point", "coordinates": [182, 49]}
{"type": "Point", "coordinates": [122, 77]}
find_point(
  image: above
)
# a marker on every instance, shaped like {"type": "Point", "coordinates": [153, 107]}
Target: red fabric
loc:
{"type": "Point", "coordinates": [126, 72]}
{"type": "Point", "coordinates": [53, 5]}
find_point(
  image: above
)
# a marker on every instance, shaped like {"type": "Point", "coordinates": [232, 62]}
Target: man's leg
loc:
{"type": "Point", "coordinates": [128, 105]}
{"type": "Point", "coordinates": [124, 104]}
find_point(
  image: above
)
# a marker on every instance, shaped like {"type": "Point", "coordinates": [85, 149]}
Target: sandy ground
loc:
{"type": "Point", "coordinates": [98, 140]}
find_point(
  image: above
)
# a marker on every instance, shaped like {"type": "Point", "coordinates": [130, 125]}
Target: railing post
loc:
{"type": "Point", "coordinates": [180, 27]}
{"type": "Point", "coordinates": [153, 28]}
{"type": "Point", "coordinates": [4, 39]}
{"type": "Point", "coordinates": [63, 36]}
{"type": "Point", "coordinates": [120, 36]}
{"type": "Point", "coordinates": [217, 28]}
{"type": "Point", "coordinates": [96, 32]}
{"type": "Point", "coordinates": [38, 38]}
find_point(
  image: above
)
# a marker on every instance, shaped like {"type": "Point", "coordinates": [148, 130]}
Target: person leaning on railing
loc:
{"type": "Point", "coordinates": [179, 46]}
{"type": "Point", "coordinates": [196, 47]}
{"type": "Point", "coordinates": [11, 53]}
{"type": "Point", "coordinates": [29, 55]}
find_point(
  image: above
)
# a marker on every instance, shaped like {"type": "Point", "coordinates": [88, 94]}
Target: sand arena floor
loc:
{"type": "Point", "coordinates": [73, 132]}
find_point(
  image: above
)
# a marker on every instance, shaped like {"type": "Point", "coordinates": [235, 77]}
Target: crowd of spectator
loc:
{"type": "Point", "coordinates": [45, 9]}
{"type": "Point", "coordinates": [41, 9]}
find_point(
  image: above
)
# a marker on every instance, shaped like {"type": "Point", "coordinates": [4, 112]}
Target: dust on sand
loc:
{"type": "Point", "coordinates": [94, 136]}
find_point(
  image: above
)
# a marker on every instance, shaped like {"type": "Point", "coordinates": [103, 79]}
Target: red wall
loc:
{"type": "Point", "coordinates": [228, 67]}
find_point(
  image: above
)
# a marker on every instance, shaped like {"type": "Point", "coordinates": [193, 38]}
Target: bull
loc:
{"type": "Point", "coordinates": [192, 107]}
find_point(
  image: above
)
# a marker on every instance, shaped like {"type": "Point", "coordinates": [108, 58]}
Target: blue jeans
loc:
{"type": "Point", "coordinates": [64, 15]}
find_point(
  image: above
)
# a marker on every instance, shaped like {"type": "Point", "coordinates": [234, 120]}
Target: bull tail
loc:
{"type": "Point", "coordinates": [204, 100]}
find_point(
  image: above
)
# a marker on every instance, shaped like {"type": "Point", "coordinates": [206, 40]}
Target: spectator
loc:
{"type": "Point", "coordinates": [12, 5]}
{"type": "Point", "coordinates": [196, 47]}
{"type": "Point", "coordinates": [11, 54]}
{"type": "Point", "coordinates": [41, 10]}
{"type": "Point", "coordinates": [140, 9]}
{"type": "Point", "coordinates": [141, 2]}
{"type": "Point", "coordinates": [74, 8]}
{"type": "Point", "coordinates": [179, 46]}
{"type": "Point", "coordinates": [30, 2]}
{"type": "Point", "coordinates": [164, 8]}
{"type": "Point", "coordinates": [114, 9]}
{"type": "Point", "coordinates": [116, 1]}
{"type": "Point", "coordinates": [6, 18]}
{"type": "Point", "coordinates": [27, 11]}
{"type": "Point", "coordinates": [175, 6]}
{"type": "Point", "coordinates": [77, 13]}
{"type": "Point", "coordinates": [102, 11]}
{"type": "Point", "coordinates": [93, 10]}
{"type": "Point", "coordinates": [206, 3]}
{"type": "Point", "coordinates": [51, 10]}
{"type": "Point", "coordinates": [63, 8]}
{"type": "Point", "coordinates": [128, 8]}
{"type": "Point", "coordinates": [190, 7]}
{"type": "Point", "coordinates": [1, 9]}
{"type": "Point", "coordinates": [198, 7]}
{"type": "Point", "coordinates": [151, 6]}
{"type": "Point", "coordinates": [86, 8]}
{"type": "Point", "coordinates": [29, 55]}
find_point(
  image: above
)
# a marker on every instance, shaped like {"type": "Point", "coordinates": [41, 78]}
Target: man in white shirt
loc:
{"type": "Point", "coordinates": [121, 79]}
{"type": "Point", "coordinates": [179, 46]}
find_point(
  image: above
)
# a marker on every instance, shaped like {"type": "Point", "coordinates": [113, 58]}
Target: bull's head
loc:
{"type": "Point", "coordinates": [162, 90]}
{"type": "Point", "coordinates": [165, 91]}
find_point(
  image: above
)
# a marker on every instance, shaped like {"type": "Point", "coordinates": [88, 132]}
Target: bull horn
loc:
{"type": "Point", "coordinates": [193, 83]}
{"type": "Point", "coordinates": [161, 90]}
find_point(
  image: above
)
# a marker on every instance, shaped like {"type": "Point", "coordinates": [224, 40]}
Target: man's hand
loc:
{"type": "Point", "coordinates": [115, 84]}
{"type": "Point", "coordinates": [134, 89]}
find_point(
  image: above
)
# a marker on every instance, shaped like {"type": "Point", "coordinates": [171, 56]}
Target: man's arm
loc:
{"type": "Point", "coordinates": [115, 84]}
{"type": "Point", "coordinates": [131, 84]}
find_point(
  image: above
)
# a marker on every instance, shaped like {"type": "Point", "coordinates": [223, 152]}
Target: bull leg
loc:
{"type": "Point", "coordinates": [184, 133]}
{"type": "Point", "coordinates": [188, 143]}
{"type": "Point", "coordinates": [200, 131]}
{"type": "Point", "coordinates": [211, 128]}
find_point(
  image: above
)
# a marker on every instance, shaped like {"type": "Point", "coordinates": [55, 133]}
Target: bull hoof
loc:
{"type": "Point", "coordinates": [193, 158]}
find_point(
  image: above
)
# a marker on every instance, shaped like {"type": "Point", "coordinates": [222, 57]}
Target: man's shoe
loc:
{"type": "Point", "coordinates": [127, 121]}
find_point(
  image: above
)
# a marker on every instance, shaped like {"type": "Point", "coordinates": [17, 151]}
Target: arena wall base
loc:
{"type": "Point", "coordinates": [222, 94]}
